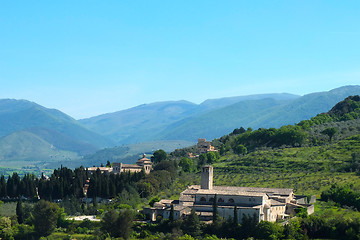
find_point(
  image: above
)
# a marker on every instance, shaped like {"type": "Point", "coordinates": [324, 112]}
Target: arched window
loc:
{"type": "Point", "coordinates": [211, 199]}
{"type": "Point", "coordinates": [221, 200]}
{"type": "Point", "coordinates": [202, 199]}
{"type": "Point", "coordinates": [231, 200]}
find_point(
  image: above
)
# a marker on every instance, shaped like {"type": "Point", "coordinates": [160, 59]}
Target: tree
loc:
{"type": "Point", "coordinates": [268, 230]}
{"type": "Point", "coordinates": [248, 225]}
{"type": "Point", "coordinates": [202, 160]}
{"type": "Point", "coordinates": [235, 218]}
{"type": "Point", "coordinates": [240, 149]}
{"type": "Point", "coordinates": [118, 224]}
{"type": "Point", "coordinates": [330, 132]}
{"type": "Point", "coordinates": [293, 230]}
{"type": "Point", "coordinates": [186, 164]}
{"type": "Point", "coordinates": [171, 216]}
{"type": "Point", "coordinates": [125, 222]}
{"type": "Point", "coordinates": [20, 212]}
{"type": "Point", "coordinates": [192, 224]}
{"type": "Point", "coordinates": [109, 222]}
{"type": "Point", "coordinates": [45, 217]}
{"type": "Point", "coordinates": [5, 228]}
{"type": "Point", "coordinates": [158, 156]}
{"type": "Point", "coordinates": [239, 130]}
{"type": "Point", "coordinates": [154, 200]}
{"type": "Point", "coordinates": [301, 212]}
{"type": "Point", "coordinates": [215, 211]}
{"type": "Point", "coordinates": [212, 157]}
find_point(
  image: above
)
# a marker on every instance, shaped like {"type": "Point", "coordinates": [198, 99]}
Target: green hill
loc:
{"type": "Point", "coordinates": [310, 164]}
{"type": "Point", "coordinates": [309, 170]}
{"type": "Point", "coordinates": [54, 126]}
{"type": "Point", "coordinates": [25, 149]}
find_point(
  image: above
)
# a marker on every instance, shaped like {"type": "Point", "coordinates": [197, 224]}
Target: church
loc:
{"type": "Point", "coordinates": [267, 204]}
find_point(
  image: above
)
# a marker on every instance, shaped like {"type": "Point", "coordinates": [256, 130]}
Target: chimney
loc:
{"type": "Point", "coordinates": [207, 177]}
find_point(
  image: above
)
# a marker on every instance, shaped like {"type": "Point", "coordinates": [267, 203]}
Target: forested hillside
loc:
{"type": "Point", "coordinates": [308, 156]}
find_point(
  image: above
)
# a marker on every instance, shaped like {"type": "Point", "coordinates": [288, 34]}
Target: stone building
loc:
{"type": "Point", "coordinates": [142, 163]}
{"type": "Point", "coordinates": [204, 146]}
{"type": "Point", "coordinates": [268, 204]}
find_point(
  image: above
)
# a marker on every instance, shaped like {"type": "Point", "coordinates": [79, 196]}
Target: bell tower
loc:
{"type": "Point", "coordinates": [207, 177]}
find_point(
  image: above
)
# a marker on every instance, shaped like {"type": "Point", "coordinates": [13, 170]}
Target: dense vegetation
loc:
{"type": "Point", "coordinates": [317, 156]}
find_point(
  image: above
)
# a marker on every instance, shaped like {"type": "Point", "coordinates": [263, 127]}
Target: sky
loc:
{"type": "Point", "coordinates": [87, 58]}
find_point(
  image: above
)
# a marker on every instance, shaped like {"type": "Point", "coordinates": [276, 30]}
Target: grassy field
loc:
{"type": "Point", "coordinates": [8, 209]}
{"type": "Point", "coordinates": [61, 235]}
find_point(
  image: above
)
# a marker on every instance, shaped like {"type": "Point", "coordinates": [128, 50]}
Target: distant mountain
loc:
{"type": "Point", "coordinates": [212, 104]}
{"type": "Point", "coordinates": [255, 114]}
{"type": "Point", "coordinates": [144, 123]}
{"type": "Point", "coordinates": [26, 146]}
{"type": "Point", "coordinates": [51, 125]}
{"type": "Point", "coordinates": [305, 107]}
{"type": "Point", "coordinates": [140, 123]}
{"type": "Point", "coordinates": [218, 122]}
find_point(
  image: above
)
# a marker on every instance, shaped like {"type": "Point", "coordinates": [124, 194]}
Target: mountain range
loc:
{"type": "Point", "coordinates": [213, 118]}
{"type": "Point", "coordinates": [33, 135]}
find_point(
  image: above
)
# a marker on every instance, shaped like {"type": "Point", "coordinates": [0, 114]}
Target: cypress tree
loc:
{"type": "Point", "coordinates": [171, 217]}
{"type": "Point", "coordinates": [10, 187]}
{"type": "Point", "coordinates": [215, 212]}
{"type": "Point", "coordinates": [236, 221]}
{"type": "Point", "coordinates": [20, 211]}
{"type": "Point", "coordinates": [3, 192]}
{"type": "Point", "coordinates": [95, 203]}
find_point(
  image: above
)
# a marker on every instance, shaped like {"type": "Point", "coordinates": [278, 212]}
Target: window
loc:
{"type": "Point", "coordinates": [202, 199]}
{"type": "Point", "coordinates": [231, 200]}
{"type": "Point", "coordinates": [221, 200]}
{"type": "Point", "coordinates": [211, 200]}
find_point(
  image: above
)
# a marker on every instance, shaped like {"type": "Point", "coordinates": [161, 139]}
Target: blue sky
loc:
{"type": "Point", "coordinates": [91, 57]}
